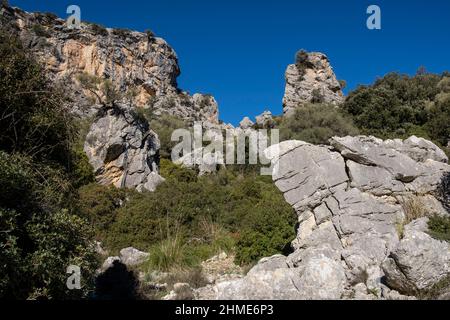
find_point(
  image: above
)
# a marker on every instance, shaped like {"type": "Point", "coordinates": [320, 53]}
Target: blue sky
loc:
{"type": "Point", "coordinates": [238, 50]}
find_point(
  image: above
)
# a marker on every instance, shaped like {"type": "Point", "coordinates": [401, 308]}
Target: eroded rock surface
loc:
{"type": "Point", "coordinates": [418, 262]}
{"type": "Point", "coordinates": [348, 198]}
{"type": "Point", "coordinates": [314, 81]}
{"type": "Point", "coordinates": [123, 151]}
{"type": "Point", "coordinates": [133, 61]}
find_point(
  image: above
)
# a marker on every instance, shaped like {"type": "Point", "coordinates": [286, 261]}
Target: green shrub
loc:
{"type": "Point", "coordinates": [169, 170]}
{"type": "Point", "coordinates": [35, 120]}
{"type": "Point", "coordinates": [316, 123]}
{"type": "Point", "coordinates": [150, 34]}
{"type": "Point", "coordinates": [439, 228]}
{"type": "Point", "coordinates": [39, 239]}
{"type": "Point", "coordinates": [443, 191]}
{"type": "Point", "coordinates": [206, 215]}
{"type": "Point", "coordinates": [122, 33]}
{"type": "Point", "coordinates": [81, 171]}
{"type": "Point", "coordinates": [397, 106]}
{"type": "Point", "coordinates": [164, 127]}
{"type": "Point", "coordinates": [99, 204]}
{"type": "Point", "coordinates": [317, 96]}
{"type": "Point", "coordinates": [439, 116]}
{"type": "Point", "coordinates": [301, 62]}
{"type": "Point", "coordinates": [267, 229]}
{"type": "Point", "coordinates": [40, 31]}
{"type": "Point", "coordinates": [103, 91]}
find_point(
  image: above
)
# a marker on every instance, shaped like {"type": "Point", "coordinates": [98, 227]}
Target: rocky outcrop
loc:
{"type": "Point", "coordinates": [133, 61]}
{"type": "Point", "coordinates": [311, 79]}
{"type": "Point", "coordinates": [122, 149]}
{"type": "Point", "coordinates": [130, 257]}
{"type": "Point", "coordinates": [348, 198]}
{"type": "Point", "coordinates": [120, 146]}
{"type": "Point", "coordinates": [265, 120]}
{"type": "Point", "coordinates": [419, 262]}
{"type": "Point", "coordinates": [319, 278]}
{"type": "Point", "coordinates": [246, 123]}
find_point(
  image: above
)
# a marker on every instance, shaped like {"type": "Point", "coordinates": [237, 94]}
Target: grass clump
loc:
{"type": "Point", "coordinates": [414, 209]}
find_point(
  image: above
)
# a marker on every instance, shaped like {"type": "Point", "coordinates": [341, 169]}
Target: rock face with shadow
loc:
{"type": "Point", "coordinates": [123, 150]}
{"type": "Point", "coordinates": [352, 242]}
{"type": "Point", "coordinates": [116, 283]}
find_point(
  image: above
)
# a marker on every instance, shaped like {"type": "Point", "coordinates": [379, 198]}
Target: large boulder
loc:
{"type": "Point", "coordinates": [313, 80]}
{"type": "Point", "coordinates": [132, 257]}
{"type": "Point", "coordinates": [392, 166]}
{"type": "Point", "coordinates": [271, 279]}
{"type": "Point", "coordinates": [419, 262]}
{"type": "Point", "coordinates": [122, 149]}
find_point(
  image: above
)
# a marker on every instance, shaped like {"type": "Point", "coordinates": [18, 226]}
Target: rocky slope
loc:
{"type": "Point", "coordinates": [131, 60]}
{"type": "Point", "coordinates": [311, 80]}
{"type": "Point", "coordinates": [351, 243]}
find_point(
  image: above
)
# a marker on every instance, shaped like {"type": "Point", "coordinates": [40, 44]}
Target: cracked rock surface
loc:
{"type": "Point", "coordinates": [348, 198]}
{"type": "Point", "coordinates": [123, 151]}
{"type": "Point", "coordinates": [317, 78]}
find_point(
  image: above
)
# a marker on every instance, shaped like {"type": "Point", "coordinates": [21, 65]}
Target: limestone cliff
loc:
{"type": "Point", "coordinates": [131, 60]}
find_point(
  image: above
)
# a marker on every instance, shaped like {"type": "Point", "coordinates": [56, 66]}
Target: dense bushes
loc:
{"type": "Point", "coordinates": [197, 217]}
{"type": "Point", "coordinates": [33, 116]}
{"type": "Point", "coordinates": [41, 234]}
{"type": "Point", "coordinates": [98, 205]}
{"type": "Point", "coordinates": [316, 123]}
{"type": "Point", "coordinates": [39, 237]}
{"type": "Point", "coordinates": [399, 106]}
